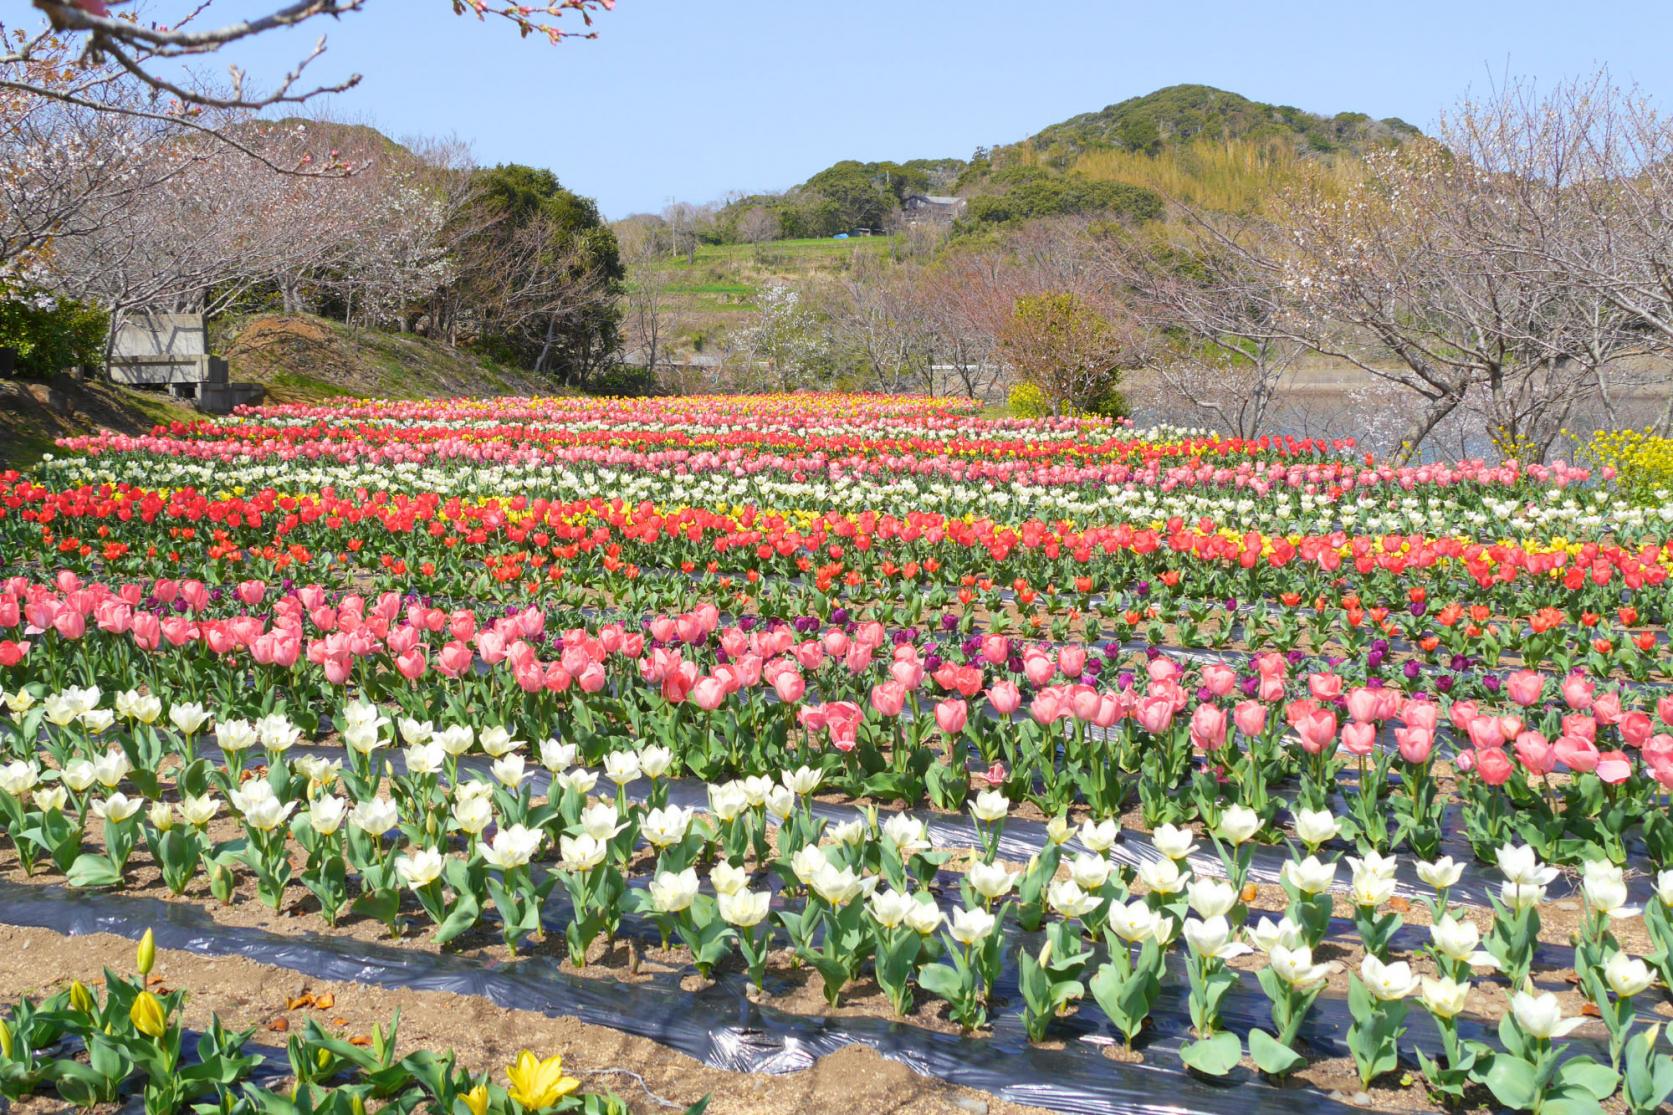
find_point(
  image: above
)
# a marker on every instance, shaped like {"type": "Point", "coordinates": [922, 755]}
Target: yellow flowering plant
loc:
{"type": "Point", "coordinates": [538, 1083]}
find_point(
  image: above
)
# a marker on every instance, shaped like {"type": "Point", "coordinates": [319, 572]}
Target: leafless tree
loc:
{"type": "Point", "coordinates": [1589, 165]}
{"type": "Point", "coordinates": [650, 321]}
{"type": "Point", "coordinates": [965, 300]}
{"type": "Point", "coordinates": [876, 319]}
{"type": "Point", "coordinates": [757, 225]}
{"type": "Point", "coordinates": [1224, 347]}
{"type": "Point", "coordinates": [1420, 260]}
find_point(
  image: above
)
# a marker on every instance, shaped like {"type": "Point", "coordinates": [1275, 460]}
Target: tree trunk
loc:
{"type": "Point", "coordinates": [1422, 424]}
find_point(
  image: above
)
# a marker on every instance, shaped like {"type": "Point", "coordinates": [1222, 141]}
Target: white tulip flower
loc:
{"type": "Point", "coordinates": [1089, 872]}
{"type": "Point", "coordinates": [1162, 876]}
{"type": "Point", "coordinates": [727, 879]}
{"type": "Point", "coordinates": [1100, 837]}
{"type": "Point", "coordinates": [744, 908]}
{"type": "Point", "coordinates": [1519, 864]}
{"type": "Point", "coordinates": [419, 868]}
{"type": "Point", "coordinates": [1309, 876]}
{"type": "Point", "coordinates": [1627, 975]}
{"type": "Point", "coordinates": [1212, 938]}
{"type": "Point", "coordinates": [375, 816]}
{"type": "Point", "coordinates": [1387, 982]}
{"type": "Point", "coordinates": [971, 927]}
{"type": "Point", "coordinates": [1541, 1016]}
{"type": "Point", "coordinates": [654, 761]}
{"type": "Point", "coordinates": [1440, 874]}
{"type": "Point", "coordinates": [580, 853]}
{"type": "Point", "coordinates": [1238, 824]}
{"type": "Point", "coordinates": [1268, 935]}
{"type": "Point", "coordinates": [621, 767]}
{"type": "Point", "coordinates": [990, 806]}
{"type": "Point", "coordinates": [1444, 998]}
{"type": "Point", "coordinates": [1211, 898]}
{"type": "Point", "coordinates": [666, 827]}
{"type": "Point", "coordinates": [802, 781]}
{"type": "Point", "coordinates": [1174, 843]}
{"type": "Point", "coordinates": [326, 814]}
{"type": "Point", "coordinates": [1295, 967]}
{"type": "Point", "coordinates": [671, 893]}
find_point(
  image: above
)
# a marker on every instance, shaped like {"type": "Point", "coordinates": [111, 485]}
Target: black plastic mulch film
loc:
{"type": "Point", "coordinates": [722, 1027]}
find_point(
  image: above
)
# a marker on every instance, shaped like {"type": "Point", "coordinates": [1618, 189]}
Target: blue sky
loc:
{"type": "Point", "coordinates": [689, 99]}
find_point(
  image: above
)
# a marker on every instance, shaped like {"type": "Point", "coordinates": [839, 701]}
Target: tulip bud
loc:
{"type": "Point", "coordinates": [147, 955]}
{"type": "Point", "coordinates": [5, 1040]}
{"type": "Point", "coordinates": [477, 1100]}
{"type": "Point", "coordinates": [148, 1016]}
{"type": "Point", "coordinates": [80, 998]}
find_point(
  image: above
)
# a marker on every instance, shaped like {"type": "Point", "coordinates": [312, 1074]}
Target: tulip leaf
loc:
{"type": "Point", "coordinates": [1215, 1056]}
{"type": "Point", "coordinates": [941, 980]}
{"type": "Point", "coordinates": [1272, 1056]}
{"type": "Point", "coordinates": [1589, 1076]}
{"type": "Point", "coordinates": [1513, 1082]}
{"type": "Point", "coordinates": [93, 871]}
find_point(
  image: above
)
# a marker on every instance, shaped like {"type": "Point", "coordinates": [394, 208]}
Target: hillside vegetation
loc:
{"type": "Point", "coordinates": [303, 358]}
{"type": "Point", "coordinates": [1191, 141]}
{"type": "Point", "coordinates": [719, 285]}
{"type": "Point", "coordinates": [298, 357]}
{"type": "Point", "coordinates": [33, 416]}
{"type": "Point", "coordinates": [1180, 115]}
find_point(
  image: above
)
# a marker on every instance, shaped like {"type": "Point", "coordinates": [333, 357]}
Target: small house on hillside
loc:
{"type": "Point", "coordinates": [932, 207]}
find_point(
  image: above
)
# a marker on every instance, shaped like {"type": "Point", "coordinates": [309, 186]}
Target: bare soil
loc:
{"type": "Point", "coordinates": [487, 1038]}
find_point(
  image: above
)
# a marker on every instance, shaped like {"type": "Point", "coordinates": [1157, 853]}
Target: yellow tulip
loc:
{"type": "Point", "coordinates": [147, 1015]}
{"type": "Point", "coordinates": [81, 999]}
{"type": "Point", "coordinates": [147, 953]}
{"type": "Point", "coordinates": [6, 1041]}
{"type": "Point", "coordinates": [477, 1099]}
{"type": "Point", "coordinates": [537, 1084]}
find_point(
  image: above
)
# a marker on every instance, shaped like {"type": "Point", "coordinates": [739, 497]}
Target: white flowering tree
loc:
{"type": "Point", "coordinates": [785, 342]}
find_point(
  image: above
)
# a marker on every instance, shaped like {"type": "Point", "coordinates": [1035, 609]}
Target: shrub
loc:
{"type": "Point", "coordinates": [51, 335]}
{"type": "Point", "coordinates": [1639, 461]}
{"type": "Point", "coordinates": [1028, 401]}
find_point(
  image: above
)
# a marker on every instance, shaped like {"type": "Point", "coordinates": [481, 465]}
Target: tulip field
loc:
{"type": "Point", "coordinates": [1174, 771]}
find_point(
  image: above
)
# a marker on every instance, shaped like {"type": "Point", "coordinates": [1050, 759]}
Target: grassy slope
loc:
{"type": "Point", "coordinates": [29, 424]}
{"type": "Point", "coordinates": [299, 359]}
{"type": "Point", "coordinates": [719, 287]}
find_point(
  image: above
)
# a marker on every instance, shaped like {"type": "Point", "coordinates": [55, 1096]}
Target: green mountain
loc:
{"type": "Point", "coordinates": [1117, 162]}
{"type": "Point", "coordinates": [1182, 114]}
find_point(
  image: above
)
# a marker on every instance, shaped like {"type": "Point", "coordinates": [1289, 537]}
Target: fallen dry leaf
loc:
{"type": "Point", "coordinates": [279, 1025]}
{"type": "Point", "coordinates": [302, 1000]}
{"type": "Point", "coordinates": [360, 1039]}
{"type": "Point", "coordinates": [325, 1001]}
{"type": "Point", "coordinates": [1589, 1009]}
{"type": "Point", "coordinates": [339, 1022]}
{"type": "Point", "coordinates": [1399, 905]}
{"type": "Point", "coordinates": [1248, 894]}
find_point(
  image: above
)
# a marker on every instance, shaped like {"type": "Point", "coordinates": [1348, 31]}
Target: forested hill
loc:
{"type": "Point", "coordinates": [1119, 161]}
